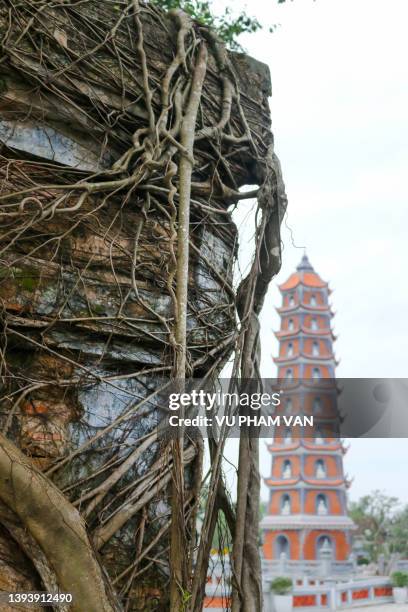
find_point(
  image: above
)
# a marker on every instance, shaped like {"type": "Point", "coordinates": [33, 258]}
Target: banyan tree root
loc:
{"type": "Point", "coordinates": [127, 135]}
{"type": "Point", "coordinates": [56, 527]}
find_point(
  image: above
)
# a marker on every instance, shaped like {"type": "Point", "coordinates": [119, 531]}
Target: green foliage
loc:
{"type": "Point", "coordinates": [185, 598]}
{"type": "Point", "coordinates": [281, 585]}
{"type": "Point", "coordinates": [399, 533]}
{"type": "Point", "coordinates": [363, 561]}
{"type": "Point", "coordinates": [399, 579]}
{"type": "Point", "coordinates": [228, 26]}
{"type": "Point", "coordinates": [29, 283]}
{"type": "Point", "coordinates": [382, 526]}
{"type": "Point", "coordinates": [373, 515]}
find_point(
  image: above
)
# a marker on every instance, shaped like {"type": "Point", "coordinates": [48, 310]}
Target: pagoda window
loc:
{"type": "Point", "coordinates": [288, 436]}
{"type": "Point", "coordinates": [320, 469]}
{"type": "Point", "coordinates": [290, 349]}
{"type": "Point", "coordinates": [285, 504]}
{"type": "Point", "coordinates": [313, 324]}
{"type": "Point", "coordinates": [316, 374]}
{"type": "Point", "coordinates": [319, 438]}
{"type": "Point", "coordinates": [291, 325]}
{"type": "Point", "coordinates": [324, 546]}
{"type": "Point", "coordinates": [317, 405]}
{"type": "Point", "coordinates": [322, 506]}
{"type": "Point", "coordinates": [289, 374]}
{"type": "Point", "coordinates": [291, 300]}
{"type": "Point", "coordinates": [282, 547]}
{"type": "Point", "coordinates": [287, 469]}
{"type": "Point", "coordinates": [313, 301]}
{"type": "Point", "coordinates": [315, 349]}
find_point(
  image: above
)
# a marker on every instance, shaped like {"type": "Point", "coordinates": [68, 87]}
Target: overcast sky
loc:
{"type": "Point", "coordinates": [339, 111]}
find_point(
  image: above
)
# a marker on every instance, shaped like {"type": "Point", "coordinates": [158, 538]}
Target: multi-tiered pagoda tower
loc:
{"type": "Point", "coordinates": [307, 512]}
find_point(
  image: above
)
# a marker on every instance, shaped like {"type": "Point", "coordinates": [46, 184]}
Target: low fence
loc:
{"type": "Point", "coordinates": [312, 595]}
{"type": "Point", "coordinates": [330, 595]}
{"type": "Point", "coordinates": [324, 585]}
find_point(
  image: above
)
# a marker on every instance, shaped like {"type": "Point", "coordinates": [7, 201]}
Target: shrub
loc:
{"type": "Point", "coordinates": [281, 585]}
{"type": "Point", "coordinates": [399, 579]}
{"type": "Point", "coordinates": [363, 561]}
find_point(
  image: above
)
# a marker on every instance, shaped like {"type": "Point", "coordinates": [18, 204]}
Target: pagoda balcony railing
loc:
{"type": "Point", "coordinates": [320, 569]}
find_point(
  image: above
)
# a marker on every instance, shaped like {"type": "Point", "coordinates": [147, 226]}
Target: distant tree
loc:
{"type": "Point", "coordinates": [399, 533]}
{"type": "Point", "coordinates": [375, 517]}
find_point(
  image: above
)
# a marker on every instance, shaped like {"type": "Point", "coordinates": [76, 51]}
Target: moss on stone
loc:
{"type": "Point", "coordinates": [29, 283]}
{"type": "Point", "coordinates": [98, 309]}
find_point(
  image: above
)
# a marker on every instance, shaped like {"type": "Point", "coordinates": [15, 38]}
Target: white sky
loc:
{"type": "Point", "coordinates": [340, 119]}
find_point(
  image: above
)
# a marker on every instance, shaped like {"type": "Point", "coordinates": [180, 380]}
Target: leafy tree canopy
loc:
{"type": "Point", "coordinates": [228, 25]}
{"type": "Point", "coordinates": [382, 524]}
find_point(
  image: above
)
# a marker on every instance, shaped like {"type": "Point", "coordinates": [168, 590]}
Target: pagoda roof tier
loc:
{"type": "Point", "coordinates": [283, 448]}
{"type": "Point", "coordinates": [308, 279]}
{"type": "Point", "coordinates": [304, 275]}
{"type": "Point", "coordinates": [314, 384]}
{"type": "Point", "coordinates": [321, 483]}
{"type": "Point", "coordinates": [299, 307]}
{"type": "Point", "coordinates": [307, 331]}
{"type": "Point", "coordinates": [326, 446]}
{"type": "Point", "coordinates": [306, 521]}
{"type": "Point", "coordinates": [281, 482]}
{"type": "Point", "coordinates": [313, 358]}
{"type": "Point", "coordinates": [287, 448]}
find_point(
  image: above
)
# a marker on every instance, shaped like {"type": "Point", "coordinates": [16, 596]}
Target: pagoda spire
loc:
{"type": "Point", "coordinates": [305, 264]}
